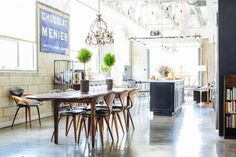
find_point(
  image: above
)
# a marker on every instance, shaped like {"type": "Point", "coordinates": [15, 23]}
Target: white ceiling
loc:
{"type": "Point", "coordinates": [171, 18]}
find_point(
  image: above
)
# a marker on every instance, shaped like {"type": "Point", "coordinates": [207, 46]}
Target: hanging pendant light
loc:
{"type": "Point", "coordinates": [99, 35]}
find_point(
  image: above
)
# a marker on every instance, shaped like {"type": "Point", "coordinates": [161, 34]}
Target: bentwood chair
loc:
{"type": "Point", "coordinates": [17, 94]}
{"type": "Point", "coordinates": [130, 100]}
{"type": "Point", "coordinates": [100, 115]}
{"type": "Point", "coordinates": [117, 108]}
{"type": "Point", "coordinates": [65, 110]}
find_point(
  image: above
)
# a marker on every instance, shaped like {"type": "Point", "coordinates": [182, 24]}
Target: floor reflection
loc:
{"type": "Point", "coordinates": [189, 133]}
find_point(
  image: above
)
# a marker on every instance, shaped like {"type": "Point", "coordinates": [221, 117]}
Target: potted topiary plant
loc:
{"type": "Point", "coordinates": [109, 60]}
{"type": "Point", "coordinates": [84, 55]}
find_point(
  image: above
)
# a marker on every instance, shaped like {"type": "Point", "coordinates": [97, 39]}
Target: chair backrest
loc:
{"type": "Point", "coordinates": [16, 94]}
{"type": "Point", "coordinates": [16, 91]}
{"type": "Point", "coordinates": [122, 97]}
{"type": "Point", "coordinates": [108, 98]}
{"type": "Point", "coordinates": [131, 96]}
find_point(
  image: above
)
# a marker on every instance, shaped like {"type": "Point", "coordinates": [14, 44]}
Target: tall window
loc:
{"type": "Point", "coordinates": [17, 55]}
{"type": "Point", "coordinates": [17, 35]}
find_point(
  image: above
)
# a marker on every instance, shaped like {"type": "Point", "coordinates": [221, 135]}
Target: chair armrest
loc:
{"type": "Point", "coordinates": [18, 99]}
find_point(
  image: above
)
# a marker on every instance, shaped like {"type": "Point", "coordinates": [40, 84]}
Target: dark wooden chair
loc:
{"type": "Point", "coordinates": [130, 103]}
{"type": "Point", "coordinates": [101, 113]}
{"type": "Point", "coordinates": [66, 110]}
{"type": "Point", "coordinates": [17, 94]}
{"type": "Point", "coordinates": [117, 108]}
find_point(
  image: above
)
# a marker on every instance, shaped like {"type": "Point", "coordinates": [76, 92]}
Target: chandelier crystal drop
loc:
{"type": "Point", "coordinates": [99, 35]}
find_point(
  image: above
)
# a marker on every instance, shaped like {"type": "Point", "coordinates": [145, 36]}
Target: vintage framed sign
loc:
{"type": "Point", "coordinates": [53, 30]}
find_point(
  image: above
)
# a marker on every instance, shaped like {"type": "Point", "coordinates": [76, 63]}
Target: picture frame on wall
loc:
{"type": "Point", "coordinates": [53, 30]}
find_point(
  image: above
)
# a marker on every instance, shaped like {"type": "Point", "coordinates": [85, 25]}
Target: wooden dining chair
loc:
{"type": "Point", "coordinates": [130, 103]}
{"type": "Point", "coordinates": [66, 110]}
{"type": "Point", "coordinates": [117, 108]}
{"type": "Point", "coordinates": [100, 115]}
{"type": "Point", "coordinates": [17, 94]}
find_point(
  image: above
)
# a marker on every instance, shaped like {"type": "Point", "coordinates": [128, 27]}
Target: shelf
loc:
{"type": "Point", "coordinates": [229, 105]}
{"type": "Point", "coordinates": [229, 113]}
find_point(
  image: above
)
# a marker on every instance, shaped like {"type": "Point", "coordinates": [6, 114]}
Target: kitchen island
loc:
{"type": "Point", "coordinates": [166, 96]}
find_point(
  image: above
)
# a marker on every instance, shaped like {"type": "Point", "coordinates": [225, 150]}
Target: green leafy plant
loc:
{"type": "Point", "coordinates": [105, 68]}
{"type": "Point", "coordinates": [109, 60]}
{"type": "Point", "coordinates": [84, 55]}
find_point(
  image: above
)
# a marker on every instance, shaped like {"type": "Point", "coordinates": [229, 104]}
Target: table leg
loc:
{"type": "Point", "coordinates": [92, 121]}
{"type": "Point", "coordinates": [127, 114]}
{"type": "Point", "coordinates": [55, 106]}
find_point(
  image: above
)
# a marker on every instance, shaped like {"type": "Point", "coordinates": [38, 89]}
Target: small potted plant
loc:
{"type": "Point", "coordinates": [84, 55]}
{"type": "Point", "coordinates": [164, 70]}
{"type": "Point", "coordinates": [109, 60]}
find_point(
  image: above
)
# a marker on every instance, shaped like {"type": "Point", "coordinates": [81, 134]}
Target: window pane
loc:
{"type": "Point", "coordinates": [8, 54]}
{"type": "Point", "coordinates": [26, 56]}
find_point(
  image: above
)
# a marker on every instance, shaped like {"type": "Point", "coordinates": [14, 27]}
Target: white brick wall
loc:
{"type": "Point", "coordinates": [31, 82]}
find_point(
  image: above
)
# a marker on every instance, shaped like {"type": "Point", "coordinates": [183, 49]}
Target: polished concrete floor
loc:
{"type": "Point", "coordinates": [191, 133]}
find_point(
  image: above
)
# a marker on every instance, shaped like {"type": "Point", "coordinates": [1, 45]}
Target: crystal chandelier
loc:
{"type": "Point", "coordinates": [99, 35]}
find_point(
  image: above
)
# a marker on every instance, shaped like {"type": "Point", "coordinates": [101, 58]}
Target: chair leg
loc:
{"type": "Point", "coordinates": [131, 118]}
{"type": "Point", "coordinates": [39, 115]}
{"type": "Point", "coordinates": [85, 129]}
{"type": "Point", "coordinates": [118, 115]}
{"type": "Point", "coordinates": [88, 127]}
{"type": "Point", "coordinates": [115, 122]}
{"type": "Point", "coordinates": [109, 128]}
{"type": "Point", "coordinates": [127, 122]}
{"type": "Point", "coordinates": [96, 125]}
{"type": "Point", "coordinates": [53, 131]}
{"type": "Point", "coordinates": [68, 128]}
{"type": "Point", "coordinates": [75, 128]}
{"type": "Point", "coordinates": [125, 119]}
{"type": "Point", "coordinates": [101, 130]}
{"type": "Point", "coordinates": [78, 121]}
{"type": "Point", "coordinates": [15, 116]}
{"type": "Point", "coordinates": [67, 121]}
{"type": "Point", "coordinates": [29, 110]}
{"type": "Point", "coordinates": [26, 110]}
{"type": "Point", "coordinates": [112, 119]}
{"type": "Point", "coordinates": [80, 127]}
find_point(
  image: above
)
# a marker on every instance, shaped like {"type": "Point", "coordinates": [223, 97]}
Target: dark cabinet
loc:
{"type": "Point", "coordinates": [166, 97]}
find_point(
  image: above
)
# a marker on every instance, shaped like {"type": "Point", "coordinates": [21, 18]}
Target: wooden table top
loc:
{"type": "Point", "coordinates": [73, 95]}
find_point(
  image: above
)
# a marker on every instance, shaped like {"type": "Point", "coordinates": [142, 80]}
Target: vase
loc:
{"type": "Point", "coordinates": [84, 86]}
{"type": "Point", "coordinates": [164, 75]}
{"type": "Point", "coordinates": [109, 83]}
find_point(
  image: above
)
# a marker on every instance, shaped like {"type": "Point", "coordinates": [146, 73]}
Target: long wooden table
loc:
{"type": "Point", "coordinates": [76, 96]}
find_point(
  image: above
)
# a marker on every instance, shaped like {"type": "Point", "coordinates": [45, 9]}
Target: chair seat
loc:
{"type": "Point", "coordinates": [116, 110]}
{"type": "Point", "coordinates": [99, 106]}
{"type": "Point", "coordinates": [98, 113]}
{"type": "Point", "coordinates": [71, 112]}
{"type": "Point", "coordinates": [117, 107]}
{"type": "Point", "coordinates": [31, 104]}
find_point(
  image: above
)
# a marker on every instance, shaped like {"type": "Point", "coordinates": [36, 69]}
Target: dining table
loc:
{"type": "Point", "coordinates": [75, 96]}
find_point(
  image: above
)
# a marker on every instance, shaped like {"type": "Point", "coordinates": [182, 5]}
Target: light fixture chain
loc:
{"type": "Point", "coordinates": [99, 7]}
